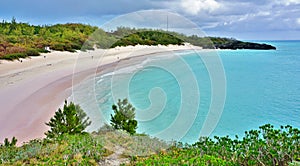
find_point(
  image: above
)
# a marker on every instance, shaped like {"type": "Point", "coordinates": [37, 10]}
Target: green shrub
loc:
{"type": "Point", "coordinates": [32, 52]}
{"type": "Point", "coordinates": [266, 146]}
{"type": "Point", "coordinates": [294, 163]}
{"type": "Point", "coordinates": [71, 120]}
{"type": "Point", "coordinates": [78, 149]}
{"type": "Point", "coordinates": [40, 50]}
{"type": "Point", "coordinates": [179, 156]}
{"type": "Point", "coordinates": [124, 116]}
{"type": "Point", "coordinates": [58, 47]}
{"type": "Point", "coordinates": [13, 56]}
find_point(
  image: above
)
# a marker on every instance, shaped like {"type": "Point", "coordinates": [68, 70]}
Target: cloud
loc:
{"type": "Point", "coordinates": [193, 7]}
{"type": "Point", "coordinates": [298, 21]}
{"type": "Point", "coordinates": [270, 17]}
{"type": "Point", "coordinates": [222, 16]}
{"type": "Point", "coordinates": [288, 2]}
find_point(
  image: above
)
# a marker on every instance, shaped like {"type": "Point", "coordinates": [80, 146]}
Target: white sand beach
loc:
{"type": "Point", "coordinates": [32, 90]}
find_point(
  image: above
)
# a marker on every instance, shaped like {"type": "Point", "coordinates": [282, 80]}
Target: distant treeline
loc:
{"type": "Point", "coordinates": [148, 38]}
{"type": "Point", "coordinates": [128, 36]}
{"type": "Point", "coordinates": [19, 40]}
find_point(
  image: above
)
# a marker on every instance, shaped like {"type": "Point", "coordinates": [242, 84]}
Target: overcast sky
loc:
{"type": "Point", "coordinates": [242, 19]}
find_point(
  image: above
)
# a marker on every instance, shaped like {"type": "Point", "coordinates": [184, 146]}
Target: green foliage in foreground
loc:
{"type": "Point", "coordinates": [134, 145]}
{"type": "Point", "coordinates": [69, 120]}
{"type": "Point", "coordinates": [266, 146]}
{"type": "Point", "coordinates": [72, 146]}
{"type": "Point", "coordinates": [124, 117]}
{"type": "Point", "coordinates": [178, 156]}
{"type": "Point", "coordinates": [80, 149]}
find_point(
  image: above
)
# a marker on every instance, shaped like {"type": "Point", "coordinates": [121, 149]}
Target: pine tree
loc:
{"type": "Point", "coordinates": [71, 120]}
{"type": "Point", "coordinates": [124, 116]}
{"type": "Point", "coordinates": [10, 144]}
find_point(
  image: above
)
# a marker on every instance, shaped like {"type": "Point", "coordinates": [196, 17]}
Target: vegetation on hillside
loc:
{"type": "Point", "coordinates": [221, 42]}
{"type": "Point", "coordinates": [148, 38]}
{"type": "Point", "coordinates": [181, 156]}
{"type": "Point", "coordinates": [132, 36]}
{"type": "Point", "coordinates": [266, 146]}
{"type": "Point", "coordinates": [225, 43]}
{"type": "Point", "coordinates": [20, 40]}
{"type": "Point", "coordinates": [78, 149]}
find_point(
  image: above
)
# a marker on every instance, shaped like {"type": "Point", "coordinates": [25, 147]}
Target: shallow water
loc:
{"type": "Point", "coordinates": [173, 94]}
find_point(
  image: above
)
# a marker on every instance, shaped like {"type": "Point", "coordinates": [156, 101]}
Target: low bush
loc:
{"type": "Point", "coordinates": [265, 146]}
{"type": "Point", "coordinates": [178, 156]}
{"type": "Point", "coordinates": [80, 149]}
{"type": "Point", "coordinates": [40, 50]}
{"type": "Point", "coordinates": [32, 52]}
{"type": "Point", "coordinates": [14, 56]}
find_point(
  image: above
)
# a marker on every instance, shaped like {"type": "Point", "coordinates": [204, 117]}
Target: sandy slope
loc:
{"type": "Point", "coordinates": [32, 90]}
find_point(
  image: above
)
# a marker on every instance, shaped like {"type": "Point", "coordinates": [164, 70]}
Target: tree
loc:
{"type": "Point", "coordinates": [124, 116]}
{"type": "Point", "coordinates": [12, 143]}
{"type": "Point", "coordinates": [13, 25]}
{"type": "Point", "coordinates": [71, 120]}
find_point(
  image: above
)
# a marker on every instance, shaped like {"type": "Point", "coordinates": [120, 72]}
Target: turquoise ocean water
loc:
{"type": "Point", "coordinates": [261, 87]}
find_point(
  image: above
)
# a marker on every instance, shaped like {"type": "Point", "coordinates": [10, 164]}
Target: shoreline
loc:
{"type": "Point", "coordinates": [33, 90]}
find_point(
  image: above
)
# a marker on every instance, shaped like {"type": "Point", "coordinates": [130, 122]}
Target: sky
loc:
{"type": "Point", "coordinates": [241, 19]}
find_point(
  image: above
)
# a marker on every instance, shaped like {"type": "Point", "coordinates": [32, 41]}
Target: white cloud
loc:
{"type": "Point", "coordinates": [288, 2]}
{"type": "Point", "coordinates": [194, 7]}
{"type": "Point", "coordinates": [263, 13]}
{"type": "Point", "coordinates": [298, 21]}
{"type": "Point", "coordinates": [210, 25]}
